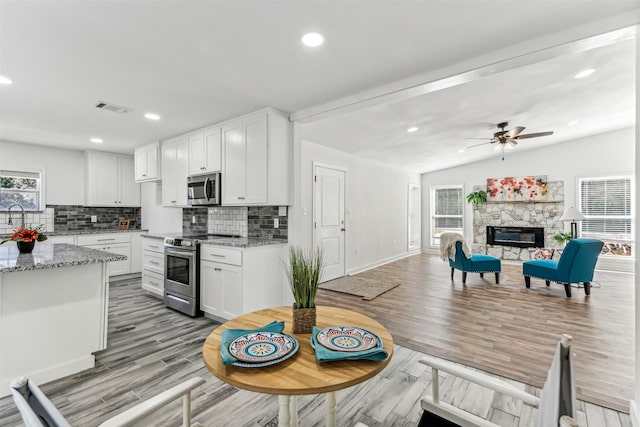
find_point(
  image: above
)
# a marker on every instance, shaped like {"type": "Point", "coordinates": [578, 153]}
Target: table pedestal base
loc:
{"type": "Point", "coordinates": [288, 410]}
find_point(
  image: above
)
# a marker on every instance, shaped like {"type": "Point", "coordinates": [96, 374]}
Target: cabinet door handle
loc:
{"type": "Point", "coordinates": [240, 197]}
{"type": "Point", "coordinates": [154, 246]}
{"type": "Point", "coordinates": [154, 262]}
{"type": "Point", "coordinates": [144, 174]}
{"type": "Point", "coordinates": [217, 269]}
{"type": "Point", "coordinates": [154, 283]}
{"type": "Point", "coordinates": [219, 256]}
{"type": "Point", "coordinates": [105, 240]}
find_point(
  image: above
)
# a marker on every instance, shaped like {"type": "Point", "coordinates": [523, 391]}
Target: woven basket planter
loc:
{"type": "Point", "coordinates": [304, 319]}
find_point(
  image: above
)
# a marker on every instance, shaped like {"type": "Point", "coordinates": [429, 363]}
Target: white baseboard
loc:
{"type": "Point", "coordinates": [634, 414]}
{"type": "Point", "coordinates": [51, 373]}
{"type": "Point", "coordinates": [384, 261]}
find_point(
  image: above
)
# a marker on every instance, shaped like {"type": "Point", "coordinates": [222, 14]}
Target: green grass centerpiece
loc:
{"type": "Point", "coordinates": [303, 271]}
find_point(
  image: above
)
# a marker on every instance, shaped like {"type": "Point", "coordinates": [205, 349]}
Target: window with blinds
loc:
{"type": "Point", "coordinates": [20, 188]}
{"type": "Point", "coordinates": [607, 204]}
{"type": "Point", "coordinates": [446, 211]}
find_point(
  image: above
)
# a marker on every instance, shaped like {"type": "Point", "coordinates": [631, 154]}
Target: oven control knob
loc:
{"type": "Point", "coordinates": [170, 241]}
{"type": "Point", "coordinates": [187, 243]}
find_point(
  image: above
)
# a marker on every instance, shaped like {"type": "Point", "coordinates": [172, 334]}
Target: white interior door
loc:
{"type": "Point", "coordinates": [328, 219]}
{"type": "Point", "coordinates": [414, 228]}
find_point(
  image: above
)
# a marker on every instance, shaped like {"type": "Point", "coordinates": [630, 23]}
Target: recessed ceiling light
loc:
{"type": "Point", "coordinates": [573, 122]}
{"type": "Point", "coordinates": [462, 150]}
{"type": "Point", "coordinates": [584, 73]}
{"type": "Point", "coordinates": [312, 39]}
{"type": "Point", "coordinates": [152, 116]}
{"type": "Point", "coordinates": [412, 129]}
{"type": "Point", "coordinates": [5, 81]}
{"type": "Point", "coordinates": [96, 140]}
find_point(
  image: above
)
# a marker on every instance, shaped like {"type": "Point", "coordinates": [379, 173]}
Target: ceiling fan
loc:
{"type": "Point", "coordinates": [506, 140]}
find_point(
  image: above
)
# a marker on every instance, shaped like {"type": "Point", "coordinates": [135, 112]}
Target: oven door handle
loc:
{"type": "Point", "coordinates": [179, 253]}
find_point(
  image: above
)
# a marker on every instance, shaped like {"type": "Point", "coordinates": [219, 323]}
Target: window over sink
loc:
{"type": "Point", "coordinates": [21, 187]}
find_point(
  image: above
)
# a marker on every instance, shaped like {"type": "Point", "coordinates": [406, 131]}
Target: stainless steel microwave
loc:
{"type": "Point", "coordinates": [203, 190]}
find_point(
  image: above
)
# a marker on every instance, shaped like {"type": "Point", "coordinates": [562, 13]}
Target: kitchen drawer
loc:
{"type": "Point", "coordinates": [152, 244]}
{"type": "Point", "coordinates": [103, 239]}
{"type": "Point", "coordinates": [153, 282]}
{"type": "Point", "coordinates": [220, 254]}
{"type": "Point", "coordinates": [153, 261]}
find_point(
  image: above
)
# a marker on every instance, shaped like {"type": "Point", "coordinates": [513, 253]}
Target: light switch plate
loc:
{"type": "Point", "coordinates": [282, 211]}
{"type": "Point", "coordinates": [94, 218]}
{"type": "Point", "coordinates": [276, 223]}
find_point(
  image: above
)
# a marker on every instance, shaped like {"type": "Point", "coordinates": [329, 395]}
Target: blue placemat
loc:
{"type": "Point", "coordinates": [323, 354]}
{"type": "Point", "coordinates": [228, 335]}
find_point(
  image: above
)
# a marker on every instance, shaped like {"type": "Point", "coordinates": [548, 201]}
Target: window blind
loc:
{"type": "Point", "coordinates": [607, 205]}
{"type": "Point", "coordinates": [446, 211]}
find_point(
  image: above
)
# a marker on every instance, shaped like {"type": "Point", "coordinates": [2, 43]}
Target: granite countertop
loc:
{"type": "Point", "coordinates": [236, 242]}
{"type": "Point", "coordinates": [95, 231]}
{"type": "Point", "coordinates": [52, 256]}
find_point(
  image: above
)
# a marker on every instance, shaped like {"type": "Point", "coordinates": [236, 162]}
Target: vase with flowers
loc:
{"type": "Point", "coordinates": [26, 237]}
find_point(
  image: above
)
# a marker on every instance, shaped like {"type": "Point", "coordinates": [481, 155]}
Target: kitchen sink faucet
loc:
{"type": "Point", "coordinates": [10, 222]}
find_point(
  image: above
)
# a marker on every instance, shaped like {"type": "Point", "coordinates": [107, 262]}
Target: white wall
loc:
{"type": "Point", "coordinates": [155, 217]}
{"type": "Point", "coordinates": [605, 154]}
{"type": "Point", "coordinates": [63, 169]}
{"type": "Point", "coordinates": [375, 209]}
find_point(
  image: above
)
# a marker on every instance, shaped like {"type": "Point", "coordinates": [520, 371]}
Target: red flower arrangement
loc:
{"type": "Point", "coordinates": [26, 234]}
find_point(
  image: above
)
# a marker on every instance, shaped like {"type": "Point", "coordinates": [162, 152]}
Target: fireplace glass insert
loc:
{"type": "Point", "coordinates": [521, 237]}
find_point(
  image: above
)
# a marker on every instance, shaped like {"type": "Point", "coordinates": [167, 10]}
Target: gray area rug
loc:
{"type": "Point", "coordinates": [368, 289]}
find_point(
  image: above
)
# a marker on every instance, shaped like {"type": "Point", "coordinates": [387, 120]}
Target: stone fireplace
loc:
{"type": "Point", "coordinates": [518, 215]}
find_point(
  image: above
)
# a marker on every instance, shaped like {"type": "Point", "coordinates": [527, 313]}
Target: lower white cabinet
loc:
{"type": "Point", "coordinates": [153, 265]}
{"type": "Point", "coordinates": [117, 243]}
{"type": "Point", "coordinates": [237, 281]}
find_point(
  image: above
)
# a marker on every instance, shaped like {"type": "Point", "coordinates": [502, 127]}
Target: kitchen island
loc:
{"type": "Point", "coordinates": [53, 311]}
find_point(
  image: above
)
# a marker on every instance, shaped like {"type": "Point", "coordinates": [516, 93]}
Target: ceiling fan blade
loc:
{"type": "Point", "coordinates": [533, 135]}
{"type": "Point", "coordinates": [514, 132]}
{"type": "Point", "coordinates": [477, 145]}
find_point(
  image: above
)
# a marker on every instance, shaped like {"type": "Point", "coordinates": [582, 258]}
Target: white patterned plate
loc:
{"type": "Point", "coordinates": [347, 338]}
{"type": "Point", "coordinates": [258, 347]}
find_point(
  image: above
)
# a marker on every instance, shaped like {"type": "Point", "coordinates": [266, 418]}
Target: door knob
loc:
{"type": "Point", "coordinates": [342, 229]}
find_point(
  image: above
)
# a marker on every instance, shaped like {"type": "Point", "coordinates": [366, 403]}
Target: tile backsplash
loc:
{"type": "Point", "coordinates": [261, 223]}
{"type": "Point", "coordinates": [228, 220]}
{"type": "Point", "coordinates": [200, 226]}
{"type": "Point", "coordinates": [32, 219]}
{"type": "Point", "coordinates": [78, 218]}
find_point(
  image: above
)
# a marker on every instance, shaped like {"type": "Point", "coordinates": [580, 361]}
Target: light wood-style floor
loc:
{"type": "Point", "coordinates": [152, 348]}
{"type": "Point", "coordinates": [507, 329]}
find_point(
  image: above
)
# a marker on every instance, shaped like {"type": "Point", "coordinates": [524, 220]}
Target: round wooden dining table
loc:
{"type": "Point", "coordinates": [300, 374]}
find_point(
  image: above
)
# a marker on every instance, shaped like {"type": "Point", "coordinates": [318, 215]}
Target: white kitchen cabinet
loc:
{"type": "Point", "coordinates": [153, 265]}
{"type": "Point", "coordinates": [205, 151]}
{"type": "Point", "coordinates": [147, 162]}
{"type": "Point", "coordinates": [238, 281]}
{"type": "Point", "coordinates": [222, 295]}
{"type": "Point", "coordinates": [110, 180]}
{"type": "Point", "coordinates": [136, 252]}
{"type": "Point", "coordinates": [175, 169]}
{"type": "Point", "coordinates": [117, 243]}
{"type": "Point", "coordinates": [256, 164]}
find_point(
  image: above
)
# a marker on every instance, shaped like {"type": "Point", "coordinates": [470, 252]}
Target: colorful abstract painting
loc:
{"type": "Point", "coordinates": [517, 189]}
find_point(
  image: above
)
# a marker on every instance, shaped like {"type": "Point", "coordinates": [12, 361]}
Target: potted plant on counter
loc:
{"type": "Point", "coordinates": [26, 237]}
{"type": "Point", "coordinates": [303, 271]}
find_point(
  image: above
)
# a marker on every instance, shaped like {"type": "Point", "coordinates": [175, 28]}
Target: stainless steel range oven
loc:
{"type": "Point", "coordinates": [182, 275]}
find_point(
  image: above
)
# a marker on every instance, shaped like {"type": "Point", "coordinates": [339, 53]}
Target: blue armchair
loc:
{"type": "Point", "coordinates": [576, 265]}
{"type": "Point", "coordinates": [478, 263]}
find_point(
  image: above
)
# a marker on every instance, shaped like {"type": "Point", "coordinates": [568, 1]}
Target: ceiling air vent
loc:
{"type": "Point", "coordinates": [113, 107]}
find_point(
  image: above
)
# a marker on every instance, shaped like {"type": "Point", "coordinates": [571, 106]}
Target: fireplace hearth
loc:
{"type": "Point", "coordinates": [520, 237]}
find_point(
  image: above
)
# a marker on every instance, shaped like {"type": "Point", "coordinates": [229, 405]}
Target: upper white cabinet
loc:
{"type": "Point", "coordinates": [256, 164]}
{"type": "Point", "coordinates": [147, 162]}
{"type": "Point", "coordinates": [175, 169]}
{"type": "Point", "coordinates": [205, 151]}
{"type": "Point", "coordinates": [110, 180]}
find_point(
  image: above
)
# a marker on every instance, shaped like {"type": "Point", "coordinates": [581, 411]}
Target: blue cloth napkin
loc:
{"type": "Point", "coordinates": [228, 335]}
{"type": "Point", "coordinates": [323, 354]}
